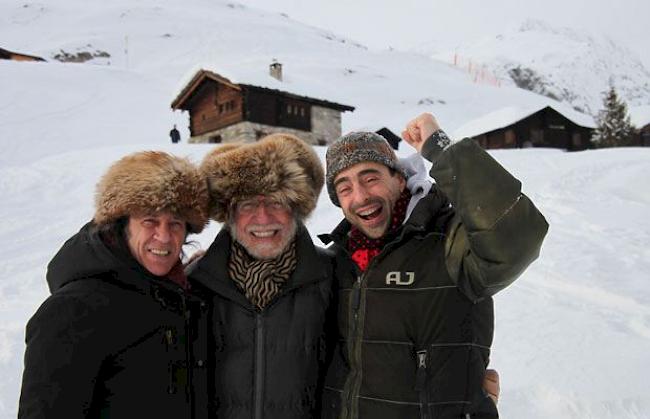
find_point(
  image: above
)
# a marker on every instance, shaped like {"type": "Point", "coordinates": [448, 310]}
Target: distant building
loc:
{"type": "Point", "coordinates": [640, 118]}
{"type": "Point", "coordinates": [222, 110]}
{"type": "Point", "coordinates": [16, 56]}
{"type": "Point", "coordinates": [392, 138]}
{"type": "Point", "coordinates": [542, 126]}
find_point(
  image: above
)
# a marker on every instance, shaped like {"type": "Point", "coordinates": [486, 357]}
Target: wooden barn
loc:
{"type": "Point", "coordinates": [392, 138]}
{"type": "Point", "coordinates": [542, 126]}
{"type": "Point", "coordinates": [643, 134]}
{"type": "Point", "coordinates": [640, 118]}
{"type": "Point", "coordinates": [222, 110]}
{"type": "Point", "coordinates": [16, 56]}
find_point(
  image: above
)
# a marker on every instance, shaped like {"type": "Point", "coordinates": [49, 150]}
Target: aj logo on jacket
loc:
{"type": "Point", "coordinates": [396, 278]}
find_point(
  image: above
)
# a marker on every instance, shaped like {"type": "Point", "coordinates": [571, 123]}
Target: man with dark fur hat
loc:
{"type": "Point", "coordinates": [122, 336]}
{"type": "Point", "coordinates": [416, 266]}
{"type": "Point", "coordinates": [271, 286]}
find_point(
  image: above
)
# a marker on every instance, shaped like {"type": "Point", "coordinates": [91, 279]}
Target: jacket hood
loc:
{"type": "Point", "coordinates": [85, 255]}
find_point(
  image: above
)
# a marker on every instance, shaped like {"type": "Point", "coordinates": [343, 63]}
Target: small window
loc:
{"type": "Point", "coordinates": [215, 139]}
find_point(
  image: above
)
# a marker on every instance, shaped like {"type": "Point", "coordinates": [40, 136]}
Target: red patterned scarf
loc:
{"type": "Point", "coordinates": [362, 248]}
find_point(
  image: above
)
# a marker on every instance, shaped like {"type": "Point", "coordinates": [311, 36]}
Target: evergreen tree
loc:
{"type": "Point", "coordinates": [614, 128]}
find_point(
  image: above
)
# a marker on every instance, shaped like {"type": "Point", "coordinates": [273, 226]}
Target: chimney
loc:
{"type": "Point", "coordinates": [275, 70]}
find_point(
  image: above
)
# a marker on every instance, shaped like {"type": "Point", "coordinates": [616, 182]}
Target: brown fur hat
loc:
{"type": "Point", "coordinates": [149, 182]}
{"type": "Point", "coordinates": [280, 165]}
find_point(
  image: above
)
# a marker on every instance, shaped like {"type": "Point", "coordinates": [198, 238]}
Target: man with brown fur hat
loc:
{"type": "Point", "coordinates": [271, 286]}
{"type": "Point", "coordinates": [122, 336]}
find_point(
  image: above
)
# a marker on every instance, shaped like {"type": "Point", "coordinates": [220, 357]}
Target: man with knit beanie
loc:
{"type": "Point", "coordinates": [416, 266]}
{"type": "Point", "coordinates": [271, 287]}
{"type": "Point", "coordinates": [123, 335]}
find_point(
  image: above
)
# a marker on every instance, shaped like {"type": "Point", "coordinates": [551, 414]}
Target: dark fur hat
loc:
{"type": "Point", "coordinates": [150, 182]}
{"type": "Point", "coordinates": [280, 165]}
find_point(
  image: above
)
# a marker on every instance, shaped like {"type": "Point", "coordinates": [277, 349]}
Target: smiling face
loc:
{"type": "Point", "coordinates": [367, 193]}
{"type": "Point", "coordinates": [263, 226]}
{"type": "Point", "coordinates": [155, 241]}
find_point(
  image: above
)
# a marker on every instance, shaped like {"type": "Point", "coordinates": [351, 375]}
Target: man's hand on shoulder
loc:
{"type": "Point", "coordinates": [491, 384]}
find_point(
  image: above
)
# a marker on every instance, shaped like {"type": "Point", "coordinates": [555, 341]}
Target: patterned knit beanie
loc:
{"type": "Point", "coordinates": [357, 147]}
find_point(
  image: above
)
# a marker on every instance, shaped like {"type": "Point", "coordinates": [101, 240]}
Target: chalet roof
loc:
{"type": "Point", "coordinates": [640, 116]}
{"type": "Point", "coordinates": [7, 55]}
{"type": "Point", "coordinates": [504, 117]}
{"type": "Point", "coordinates": [249, 78]}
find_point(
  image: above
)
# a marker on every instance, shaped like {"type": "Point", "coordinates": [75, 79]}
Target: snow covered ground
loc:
{"type": "Point", "coordinates": [573, 333]}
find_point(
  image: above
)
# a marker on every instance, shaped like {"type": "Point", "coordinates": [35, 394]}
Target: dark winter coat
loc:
{"type": "Point", "coordinates": [270, 362]}
{"type": "Point", "coordinates": [113, 341]}
{"type": "Point", "coordinates": [175, 135]}
{"type": "Point", "coordinates": [415, 329]}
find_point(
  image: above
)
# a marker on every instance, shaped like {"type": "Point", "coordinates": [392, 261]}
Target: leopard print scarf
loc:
{"type": "Point", "coordinates": [260, 280]}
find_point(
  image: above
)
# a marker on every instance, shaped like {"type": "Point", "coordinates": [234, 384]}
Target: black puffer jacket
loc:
{"type": "Point", "coordinates": [269, 362]}
{"type": "Point", "coordinates": [113, 341]}
{"type": "Point", "coordinates": [416, 327]}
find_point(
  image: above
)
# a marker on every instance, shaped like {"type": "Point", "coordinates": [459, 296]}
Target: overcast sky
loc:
{"type": "Point", "coordinates": [408, 23]}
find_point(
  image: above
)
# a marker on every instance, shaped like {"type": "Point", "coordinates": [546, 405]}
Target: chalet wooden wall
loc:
{"type": "Point", "coordinates": [266, 108]}
{"type": "Point", "coordinates": [215, 106]}
{"type": "Point", "coordinates": [644, 136]}
{"type": "Point", "coordinates": [546, 128]}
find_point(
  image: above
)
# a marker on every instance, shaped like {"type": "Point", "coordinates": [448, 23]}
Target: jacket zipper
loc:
{"type": "Point", "coordinates": [355, 358]}
{"type": "Point", "coordinates": [259, 366]}
{"type": "Point", "coordinates": [421, 384]}
{"type": "Point", "coordinates": [357, 311]}
{"type": "Point", "coordinates": [169, 342]}
{"type": "Point", "coordinates": [189, 359]}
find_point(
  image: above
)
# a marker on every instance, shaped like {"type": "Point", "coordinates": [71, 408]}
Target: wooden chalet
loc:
{"type": "Point", "coordinates": [640, 118]}
{"type": "Point", "coordinates": [643, 135]}
{"type": "Point", "coordinates": [544, 126]}
{"type": "Point", "coordinates": [224, 111]}
{"type": "Point", "coordinates": [16, 56]}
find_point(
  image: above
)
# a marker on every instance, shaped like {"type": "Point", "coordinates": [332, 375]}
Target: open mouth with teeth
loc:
{"type": "Point", "coordinates": [160, 252]}
{"type": "Point", "coordinates": [370, 213]}
{"type": "Point", "coordinates": [263, 234]}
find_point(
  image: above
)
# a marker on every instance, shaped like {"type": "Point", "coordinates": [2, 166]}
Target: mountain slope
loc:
{"type": "Point", "coordinates": [560, 63]}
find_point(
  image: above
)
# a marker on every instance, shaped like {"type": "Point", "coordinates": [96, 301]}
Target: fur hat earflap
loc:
{"type": "Point", "coordinates": [280, 165]}
{"type": "Point", "coordinates": [149, 182]}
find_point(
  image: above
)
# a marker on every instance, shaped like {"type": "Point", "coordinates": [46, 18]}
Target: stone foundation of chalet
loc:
{"type": "Point", "coordinates": [325, 125]}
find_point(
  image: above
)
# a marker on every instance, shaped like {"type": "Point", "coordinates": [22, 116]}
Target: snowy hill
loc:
{"type": "Point", "coordinates": [560, 63]}
{"type": "Point", "coordinates": [162, 43]}
{"type": "Point", "coordinates": [572, 334]}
